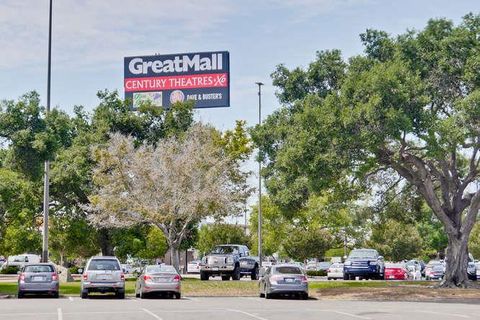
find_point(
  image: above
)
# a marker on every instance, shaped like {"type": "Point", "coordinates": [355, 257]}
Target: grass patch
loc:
{"type": "Point", "coordinates": [366, 284]}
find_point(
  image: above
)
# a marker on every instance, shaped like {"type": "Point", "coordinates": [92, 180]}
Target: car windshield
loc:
{"type": "Point", "coordinates": [225, 250]}
{"type": "Point", "coordinates": [287, 270]}
{"type": "Point", "coordinates": [394, 265]}
{"type": "Point", "coordinates": [103, 264]}
{"type": "Point", "coordinates": [39, 268]}
{"type": "Point", "coordinates": [363, 254]}
{"type": "Point", "coordinates": [160, 269]}
{"type": "Point", "coordinates": [324, 264]}
{"type": "Point", "coordinates": [337, 265]}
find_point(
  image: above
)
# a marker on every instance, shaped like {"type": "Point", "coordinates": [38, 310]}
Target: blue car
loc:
{"type": "Point", "coordinates": [365, 264]}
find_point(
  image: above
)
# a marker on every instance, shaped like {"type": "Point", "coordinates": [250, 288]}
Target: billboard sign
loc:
{"type": "Point", "coordinates": [203, 77]}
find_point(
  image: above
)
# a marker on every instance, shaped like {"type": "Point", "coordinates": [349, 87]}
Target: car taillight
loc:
{"type": "Point", "coordinates": [177, 278]}
{"type": "Point", "coordinates": [54, 277]}
{"type": "Point", "coordinates": [328, 270]}
{"type": "Point", "coordinates": [146, 278]}
{"type": "Point", "coordinates": [304, 279]}
{"type": "Point", "coordinates": [21, 277]}
{"type": "Point", "coordinates": [122, 276]}
{"type": "Point", "coordinates": [85, 276]}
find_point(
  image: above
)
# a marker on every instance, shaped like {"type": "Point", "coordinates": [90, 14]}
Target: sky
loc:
{"type": "Point", "coordinates": [91, 38]}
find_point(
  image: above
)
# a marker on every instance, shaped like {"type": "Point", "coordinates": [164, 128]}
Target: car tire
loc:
{"type": "Point", "coordinates": [305, 296]}
{"type": "Point", "coordinates": [20, 295]}
{"type": "Point", "coordinates": [225, 278]}
{"type": "Point", "coordinates": [254, 274]}
{"type": "Point", "coordinates": [120, 294]}
{"type": "Point", "coordinates": [56, 295]}
{"type": "Point", "coordinates": [262, 295]}
{"type": "Point", "coordinates": [268, 295]}
{"type": "Point", "coordinates": [346, 276]}
{"type": "Point", "coordinates": [142, 295]}
{"type": "Point", "coordinates": [236, 274]}
{"type": "Point", "coordinates": [178, 295]}
{"type": "Point", "coordinates": [204, 276]}
{"type": "Point", "coordinates": [84, 294]}
{"type": "Point", "coordinates": [137, 295]}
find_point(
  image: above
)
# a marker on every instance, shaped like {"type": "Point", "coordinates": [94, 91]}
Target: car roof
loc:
{"type": "Point", "coordinates": [104, 258]}
{"type": "Point", "coordinates": [40, 264]}
{"type": "Point", "coordinates": [285, 265]}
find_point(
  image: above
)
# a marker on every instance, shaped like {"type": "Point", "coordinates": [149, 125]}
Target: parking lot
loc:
{"type": "Point", "coordinates": [227, 308]}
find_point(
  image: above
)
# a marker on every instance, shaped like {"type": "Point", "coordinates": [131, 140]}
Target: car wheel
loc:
{"type": "Point", "coordinates": [305, 296]}
{"type": "Point", "coordinates": [204, 276]}
{"type": "Point", "coordinates": [262, 295]}
{"type": "Point", "coordinates": [56, 295]}
{"type": "Point", "coordinates": [236, 274]}
{"type": "Point", "coordinates": [254, 274]}
{"type": "Point", "coordinates": [346, 276]}
{"type": "Point", "coordinates": [268, 295]}
{"type": "Point", "coordinates": [84, 294]}
{"type": "Point", "coordinates": [142, 294]}
{"type": "Point", "coordinates": [178, 295]}
{"type": "Point", "coordinates": [20, 295]}
{"type": "Point", "coordinates": [120, 294]}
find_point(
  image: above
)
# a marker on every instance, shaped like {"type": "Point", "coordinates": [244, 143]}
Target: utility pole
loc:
{"type": "Point", "coordinates": [46, 185]}
{"type": "Point", "coordinates": [259, 84]}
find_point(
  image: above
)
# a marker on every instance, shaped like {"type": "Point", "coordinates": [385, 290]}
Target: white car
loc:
{"type": "Point", "coordinates": [335, 271]}
{"type": "Point", "coordinates": [193, 266]}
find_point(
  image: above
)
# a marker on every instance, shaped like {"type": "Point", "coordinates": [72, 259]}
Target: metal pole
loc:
{"type": "Point", "coordinates": [46, 185]}
{"type": "Point", "coordinates": [259, 178]}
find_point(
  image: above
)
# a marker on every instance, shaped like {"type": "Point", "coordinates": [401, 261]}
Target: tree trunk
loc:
{"type": "Point", "coordinates": [456, 262]}
{"type": "Point", "coordinates": [175, 257]}
{"type": "Point", "coordinates": [105, 242]}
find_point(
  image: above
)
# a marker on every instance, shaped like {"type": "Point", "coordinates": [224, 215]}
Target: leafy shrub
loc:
{"type": "Point", "coordinates": [10, 270]}
{"type": "Point", "coordinates": [315, 273]}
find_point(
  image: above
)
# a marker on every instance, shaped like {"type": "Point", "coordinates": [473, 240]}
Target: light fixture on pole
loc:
{"type": "Point", "coordinates": [259, 84]}
{"type": "Point", "coordinates": [46, 185]}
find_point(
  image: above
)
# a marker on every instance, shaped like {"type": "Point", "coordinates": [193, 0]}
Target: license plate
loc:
{"type": "Point", "coordinates": [215, 269]}
{"type": "Point", "coordinates": [289, 280]}
{"type": "Point", "coordinates": [37, 278]}
{"type": "Point", "coordinates": [391, 277]}
{"type": "Point", "coordinates": [104, 277]}
{"type": "Point", "coordinates": [160, 279]}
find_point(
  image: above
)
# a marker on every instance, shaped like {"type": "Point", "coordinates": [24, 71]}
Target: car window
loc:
{"type": "Point", "coordinates": [363, 254]}
{"type": "Point", "coordinates": [287, 270]}
{"type": "Point", "coordinates": [160, 269]}
{"type": "Point", "coordinates": [337, 265]}
{"type": "Point", "coordinates": [103, 264]}
{"type": "Point", "coordinates": [225, 250]}
{"type": "Point", "coordinates": [39, 268]}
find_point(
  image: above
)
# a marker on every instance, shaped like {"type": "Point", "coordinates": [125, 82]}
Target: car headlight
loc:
{"type": "Point", "coordinates": [348, 263]}
{"type": "Point", "coordinates": [230, 260]}
{"type": "Point", "coordinates": [373, 263]}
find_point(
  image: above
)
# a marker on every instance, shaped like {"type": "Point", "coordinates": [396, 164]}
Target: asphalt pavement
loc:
{"type": "Point", "coordinates": [74, 308]}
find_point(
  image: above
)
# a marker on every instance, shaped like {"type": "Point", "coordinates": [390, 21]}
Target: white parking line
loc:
{"type": "Point", "coordinates": [247, 314]}
{"type": "Point", "coordinates": [152, 314]}
{"type": "Point", "coordinates": [445, 314]}
{"type": "Point", "coordinates": [59, 314]}
{"type": "Point", "coordinates": [350, 314]}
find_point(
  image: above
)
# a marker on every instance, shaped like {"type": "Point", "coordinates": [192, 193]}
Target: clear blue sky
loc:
{"type": "Point", "coordinates": [91, 37]}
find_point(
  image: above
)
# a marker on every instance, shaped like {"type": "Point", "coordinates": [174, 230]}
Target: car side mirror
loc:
{"type": "Point", "coordinates": [80, 270]}
{"type": "Point", "coordinates": [59, 271]}
{"type": "Point", "coordinates": [380, 257]}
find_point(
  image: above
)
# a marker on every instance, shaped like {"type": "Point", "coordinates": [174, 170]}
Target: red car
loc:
{"type": "Point", "coordinates": [395, 271]}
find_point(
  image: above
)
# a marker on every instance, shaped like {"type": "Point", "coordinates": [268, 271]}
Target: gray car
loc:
{"type": "Point", "coordinates": [103, 274]}
{"type": "Point", "coordinates": [283, 279]}
{"type": "Point", "coordinates": [38, 278]}
{"type": "Point", "coordinates": [158, 279]}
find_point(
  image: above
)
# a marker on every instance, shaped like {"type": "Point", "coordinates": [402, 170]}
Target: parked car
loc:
{"type": "Point", "coordinates": [21, 260]}
{"type": "Point", "coordinates": [283, 279]}
{"type": "Point", "coordinates": [434, 270]}
{"type": "Point", "coordinates": [193, 266]}
{"type": "Point", "coordinates": [158, 279]}
{"type": "Point", "coordinates": [471, 268]}
{"type": "Point", "coordinates": [364, 263]}
{"type": "Point", "coordinates": [103, 274]}
{"type": "Point", "coordinates": [335, 271]}
{"type": "Point", "coordinates": [312, 266]}
{"type": "Point", "coordinates": [127, 268]}
{"type": "Point", "coordinates": [396, 271]}
{"type": "Point", "coordinates": [323, 266]}
{"type": "Point", "coordinates": [38, 278]}
{"type": "Point", "coordinates": [229, 261]}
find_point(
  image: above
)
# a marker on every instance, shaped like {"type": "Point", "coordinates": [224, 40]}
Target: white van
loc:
{"type": "Point", "coordinates": [21, 260]}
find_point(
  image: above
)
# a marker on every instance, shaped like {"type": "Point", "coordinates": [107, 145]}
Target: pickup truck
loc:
{"type": "Point", "coordinates": [229, 261]}
{"type": "Point", "coordinates": [364, 263]}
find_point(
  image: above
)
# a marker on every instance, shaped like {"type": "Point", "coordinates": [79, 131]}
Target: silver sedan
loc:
{"type": "Point", "coordinates": [158, 279]}
{"type": "Point", "coordinates": [283, 279]}
{"type": "Point", "coordinates": [38, 278]}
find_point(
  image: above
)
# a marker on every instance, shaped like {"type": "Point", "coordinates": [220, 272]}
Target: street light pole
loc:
{"type": "Point", "coordinates": [46, 185]}
{"type": "Point", "coordinates": [259, 178]}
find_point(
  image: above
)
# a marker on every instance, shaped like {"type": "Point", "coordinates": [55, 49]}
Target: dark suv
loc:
{"type": "Point", "coordinates": [364, 263]}
{"type": "Point", "coordinates": [229, 261]}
